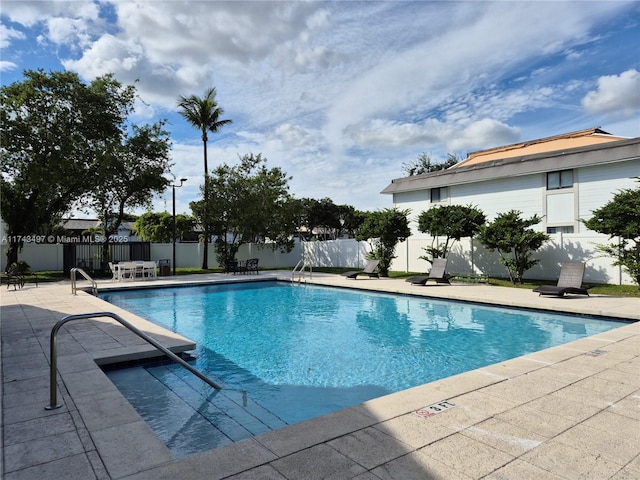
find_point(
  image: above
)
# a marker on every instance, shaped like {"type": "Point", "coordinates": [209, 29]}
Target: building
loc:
{"type": "Point", "coordinates": [563, 179]}
{"type": "Point", "coordinates": [79, 227]}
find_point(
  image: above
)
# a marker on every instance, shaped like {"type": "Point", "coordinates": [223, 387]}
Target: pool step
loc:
{"type": "Point", "coordinates": [187, 414]}
{"type": "Point", "coordinates": [227, 402]}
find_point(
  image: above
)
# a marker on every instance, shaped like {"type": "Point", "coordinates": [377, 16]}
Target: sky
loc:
{"type": "Point", "coordinates": [342, 95]}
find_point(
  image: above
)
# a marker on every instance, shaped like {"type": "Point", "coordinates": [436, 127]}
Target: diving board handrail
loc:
{"type": "Point", "coordinates": [74, 288]}
{"type": "Point", "coordinates": [53, 403]}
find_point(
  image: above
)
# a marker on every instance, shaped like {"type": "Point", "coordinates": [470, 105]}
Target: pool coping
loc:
{"type": "Point", "coordinates": [118, 444]}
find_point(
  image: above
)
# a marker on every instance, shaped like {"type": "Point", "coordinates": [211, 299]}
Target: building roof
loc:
{"type": "Point", "coordinates": [581, 138]}
{"type": "Point", "coordinates": [598, 154]}
{"type": "Point", "coordinates": [87, 223]}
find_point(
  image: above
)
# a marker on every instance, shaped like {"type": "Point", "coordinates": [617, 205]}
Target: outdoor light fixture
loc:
{"type": "Point", "coordinates": [182, 180]}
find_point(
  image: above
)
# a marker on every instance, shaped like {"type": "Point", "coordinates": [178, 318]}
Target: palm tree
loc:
{"type": "Point", "coordinates": [204, 114]}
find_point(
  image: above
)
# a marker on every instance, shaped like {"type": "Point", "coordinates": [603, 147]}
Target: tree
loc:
{"type": "Point", "coordinates": [320, 214]}
{"type": "Point", "coordinates": [424, 164]}
{"type": "Point", "coordinates": [57, 132]}
{"type": "Point", "coordinates": [54, 130]}
{"type": "Point", "coordinates": [158, 227]}
{"type": "Point", "coordinates": [350, 220]}
{"type": "Point", "coordinates": [204, 114]}
{"type": "Point", "coordinates": [451, 221]}
{"type": "Point", "coordinates": [511, 236]}
{"type": "Point", "coordinates": [383, 230]}
{"type": "Point", "coordinates": [620, 217]}
{"type": "Point", "coordinates": [128, 175]}
{"type": "Point", "coordinates": [248, 203]}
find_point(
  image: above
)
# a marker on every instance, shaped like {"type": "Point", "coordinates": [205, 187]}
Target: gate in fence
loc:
{"type": "Point", "coordinates": [91, 258]}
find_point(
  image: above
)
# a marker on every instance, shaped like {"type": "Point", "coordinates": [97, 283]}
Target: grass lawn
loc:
{"type": "Point", "coordinates": [596, 289]}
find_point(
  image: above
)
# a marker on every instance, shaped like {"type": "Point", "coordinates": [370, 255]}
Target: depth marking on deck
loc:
{"type": "Point", "coordinates": [434, 409]}
{"type": "Point", "coordinates": [595, 353]}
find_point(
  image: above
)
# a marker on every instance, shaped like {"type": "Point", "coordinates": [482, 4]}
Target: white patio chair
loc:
{"type": "Point", "coordinates": [115, 272]}
{"type": "Point", "coordinates": [149, 270]}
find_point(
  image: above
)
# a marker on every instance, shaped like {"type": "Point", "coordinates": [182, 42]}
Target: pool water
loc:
{"type": "Point", "coordinates": [302, 351]}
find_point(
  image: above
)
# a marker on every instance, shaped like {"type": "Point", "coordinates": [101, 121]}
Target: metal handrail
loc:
{"type": "Point", "coordinates": [74, 288]}
{"type": "Point", "coordinates": [53, 403]}
{"type": "Point", "coordinates": [301, 272]}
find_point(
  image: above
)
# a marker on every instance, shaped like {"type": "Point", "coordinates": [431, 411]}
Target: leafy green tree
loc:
{"type": "Point", "coordinates": [334, 219]}
{"type": "Point", "coordinates": [350, 220]}
{"type": "Point", "coordinates": [320, 214]}
{"type": "Point", "coordinates": [425, 164]}
{"type": "Point", "coordinates": [157, 227]}
{"type": "Point", "coordinates": [383, 230]}
{"type": "Point", "coordinates": [55, 129]}
{"type": "Point", "coordinates": [621, 218]}
{"type": "Point", "coordinates": [248, 203]}
{"type": "Point", "coordinates": [450, 221]}
{"type": "Point", "coordinates": [514, 241]}
{"type": "Point", "coordinates": [127, 176]}
{"type": "Point", "coordinates": [204, 114]}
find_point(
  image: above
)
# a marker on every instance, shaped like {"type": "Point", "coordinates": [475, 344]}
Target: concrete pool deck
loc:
{"type": "Point", "coordinates": [569, 412]}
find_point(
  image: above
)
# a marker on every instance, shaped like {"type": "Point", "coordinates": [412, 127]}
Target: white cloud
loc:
{"type": "Point", "coordinates": [69, 31]}
{"type": "Point", "coordinates": [7, 34]}
{"type": "Point", "coordinates": [30, 12]}
{"type": "Point", "coordinates": [470, 53]}
{"type": "Point", "coordinates": [482, 134]}
{"type": "Point", "coordinates": [615, 94]}
{"type": "Point", "coordinates": [109, 54]}
{"type": "Point", "coordinates": [7, 66]}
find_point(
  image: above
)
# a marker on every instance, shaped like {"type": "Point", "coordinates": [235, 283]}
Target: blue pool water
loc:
{"type": "Point", "coordinates": [302, 351]}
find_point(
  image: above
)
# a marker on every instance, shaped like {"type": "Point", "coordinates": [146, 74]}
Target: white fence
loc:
{"type": "Point", "coordinates": [469, 256]}
{"type": "Point", "coordinates": [466, 256]}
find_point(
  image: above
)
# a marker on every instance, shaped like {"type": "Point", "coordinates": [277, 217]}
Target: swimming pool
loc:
{"type": "Point", "coordinates": [302, 351]}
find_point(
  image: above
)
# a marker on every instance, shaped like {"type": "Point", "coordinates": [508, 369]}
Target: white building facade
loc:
{"type": "Point", "coordinates": [563, 186]}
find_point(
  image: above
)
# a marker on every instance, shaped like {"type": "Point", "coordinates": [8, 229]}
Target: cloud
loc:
{"type": "Point", "coordinates": [7, 66]}
{"type": "Point", "coordinates": [30, 12]}
{"type": "Point", "coordinates": [7, 34]}
{"type": "Point", "coordinates": [615, 94]}
{"type": "Point", "coordinates": [483, 134]}
{"type": "Point", "coordinates": [447, 68]}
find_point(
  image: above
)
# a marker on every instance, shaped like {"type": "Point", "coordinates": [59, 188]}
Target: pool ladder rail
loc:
{"type": "Point", "coordinates": [53, 403]}
{"type": "Point", "coordinates": [74, 287]}
{"type": "Point", "coordinates": [300, 270]}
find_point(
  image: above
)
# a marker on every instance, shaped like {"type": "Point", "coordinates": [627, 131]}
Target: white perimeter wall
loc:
{"type": "Point", "coordinates": [466, 256]}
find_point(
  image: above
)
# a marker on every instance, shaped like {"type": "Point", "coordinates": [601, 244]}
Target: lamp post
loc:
{"type": "Point", "coordinates": [182, 180]}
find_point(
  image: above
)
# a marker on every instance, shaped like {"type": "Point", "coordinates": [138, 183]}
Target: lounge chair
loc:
{"type": "Point", "coordinates": [570, 281]}
{"type": "Point", "coordinates": [368, 270]}
{"type": "Point", "coordinates": [436, 274]}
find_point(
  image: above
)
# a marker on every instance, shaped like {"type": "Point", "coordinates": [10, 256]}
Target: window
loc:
{"type": "Point", "coordinates": [438, 194]}
{"type": "Point", "coordinates": [560, 179]}
{"type": "Point", "coordinates": [564, 229]}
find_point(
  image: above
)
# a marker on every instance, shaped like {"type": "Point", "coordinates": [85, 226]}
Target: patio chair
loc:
{"type": "Point", "coordinates": [149, 270]}
{"type": "Point", "coordinates": [251, 265]}
{"type": "Point", "coordinates": [437, 274]}
{"type": "Point", "coordinates": [231, 266]}
{"type": "Point", "coordinates": [369, 270]}
{"type": "Point", "coordinates": [16, 274]}
{"type": "Point", "coordinates": [127, 271]}
{"type": "Point", "coordinates": [115, 272]}
{"type": "Point", "coordinates": [569, 281]}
